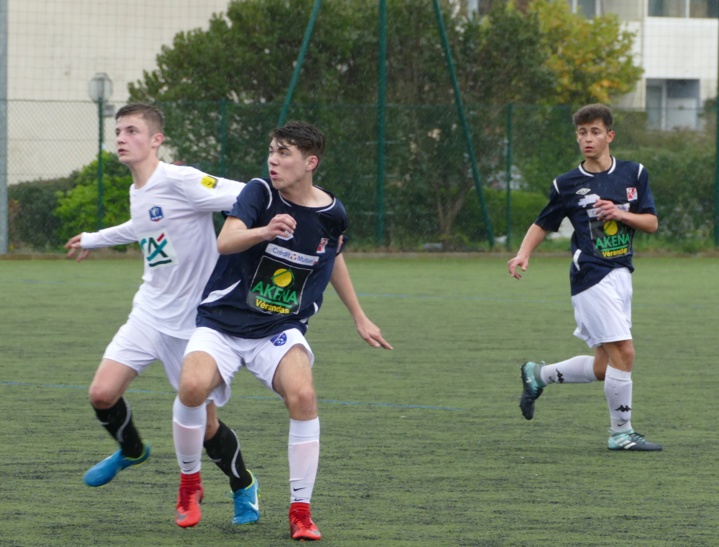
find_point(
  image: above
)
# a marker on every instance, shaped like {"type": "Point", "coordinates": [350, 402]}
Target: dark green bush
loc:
{"type": "Point", "coordinates": [31, 205]}
{"type": "Point", "coordinates": [78, 207]}
{"type": "Point", "coordinates": [44, 214]}
{"type": "Point", "coordinates": [682, 178]}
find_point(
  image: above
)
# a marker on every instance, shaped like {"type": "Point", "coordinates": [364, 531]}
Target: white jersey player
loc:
{"type": "Point", "coordinates": [172, 220]}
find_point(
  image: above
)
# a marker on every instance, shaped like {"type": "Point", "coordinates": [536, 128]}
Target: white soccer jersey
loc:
{"type": "Point", "coordinates": [171, 219]}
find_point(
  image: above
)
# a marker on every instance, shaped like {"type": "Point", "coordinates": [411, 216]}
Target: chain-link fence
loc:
{"type": "Point", "coordinates": [426, 198]}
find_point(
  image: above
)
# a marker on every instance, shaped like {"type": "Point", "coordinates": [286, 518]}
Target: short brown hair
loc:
{"type": "Point", "coordinates": [306, 137]}
{"type": "Point", "coordinates": [150, 113]}
{"type": "Point", "coordinates": [592, 112]}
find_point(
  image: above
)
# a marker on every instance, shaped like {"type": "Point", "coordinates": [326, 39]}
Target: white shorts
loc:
{"type": "Point", "coordinates": [604, 312]}
{"type": "Point", "coordinates": [137, 345]}
{"type": "Point", "coordinates": [260, 356]}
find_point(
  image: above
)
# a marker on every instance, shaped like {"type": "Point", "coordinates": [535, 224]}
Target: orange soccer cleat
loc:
{"type": "Point", "coordinates": [188, 501]}
{"type": "Point", "coordinates": [301, 525]}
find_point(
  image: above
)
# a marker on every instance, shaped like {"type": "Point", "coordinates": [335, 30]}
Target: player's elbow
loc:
{"type": "Point", "coordinates": [223, 245]}
{"type": "Point", "coordinates": [652, 225]}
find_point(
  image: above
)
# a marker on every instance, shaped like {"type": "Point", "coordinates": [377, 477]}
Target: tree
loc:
{"type": "Point", "coordinates": [222, 88]}
{"type": "Point", "coordinates": [591, 58]}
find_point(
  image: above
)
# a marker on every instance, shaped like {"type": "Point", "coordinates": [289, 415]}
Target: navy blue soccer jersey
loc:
{"type": "Point", "coordinates": [278, 284]}
{"type": "Point", "coordinates": [598, 246]}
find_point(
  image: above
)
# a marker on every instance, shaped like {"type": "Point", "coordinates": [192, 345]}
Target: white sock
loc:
{"type": "Point", "coordinates": [618, 390]}
{"type": "Point", "coordinates": [576, 370]}
{"type": "Point", "coordinates": [188, 432]}
{"type": "Point", "coordinates": [303, 450]}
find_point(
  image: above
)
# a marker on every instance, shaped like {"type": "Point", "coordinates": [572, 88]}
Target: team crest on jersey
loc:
{"type": "Point", "coordinates": [209, 182]}
{"type": "Point", "coordinates": [632, 194]}
{"type": "Point", "coordinates": [323, 243]}
{"type": "Point", "coordinates": [158, 250]}
{"type": "Point", "coordinates": [156, 214]}
{"type": "Point", "coordinates": [279, 339]}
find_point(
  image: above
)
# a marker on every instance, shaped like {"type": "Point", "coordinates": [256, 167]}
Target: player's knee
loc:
{"type": "Point", "coordinates": [192, 392]}
{"type": "Point", "coordinates": [626, 354]}
{"type": "Point", "coordinates": [302, 401]}
{"type": "Point", "coordinates": [102, 396]}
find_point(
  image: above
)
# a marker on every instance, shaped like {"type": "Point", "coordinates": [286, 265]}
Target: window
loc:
{"type": "Point", "coordinates": [672, 104]}
{"type": "Point", "coordinates": [706, 9]}
{"type": "Point", "coordinates": [588, 8]}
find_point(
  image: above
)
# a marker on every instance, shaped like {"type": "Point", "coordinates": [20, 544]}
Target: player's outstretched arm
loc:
{"type": "Point", "coordinates": [342, 284]}
{"type": "Point", "coordinates": [73, 246]}
{"type": "Point", "coordinates": [535, 235]}
{"type": "Point", "coordinates": [83, 243]}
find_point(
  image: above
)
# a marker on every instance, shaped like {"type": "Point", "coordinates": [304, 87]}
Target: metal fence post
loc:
{"type": "Point", "coordinates": [508, 167]}
{"type": "Point", "coordinates": [381, 109]}
{"type": "Point", "coordinates": [463, 120]}
{"type": "Point", "coordinates": [223, 136]}
{"type": "Point", "coordinates": [716, 153]}
{"type": "Point", "coordinates": [100, 197]}
{"type": "Point", "coordinates": [4, 222]}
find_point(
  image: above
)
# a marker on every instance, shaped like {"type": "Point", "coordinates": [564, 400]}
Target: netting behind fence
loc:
{"type": "Point", "coordinates": [428, 195]}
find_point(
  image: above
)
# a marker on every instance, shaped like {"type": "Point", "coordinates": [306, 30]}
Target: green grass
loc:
{"type": "Point", "coordinates": [424, 445]}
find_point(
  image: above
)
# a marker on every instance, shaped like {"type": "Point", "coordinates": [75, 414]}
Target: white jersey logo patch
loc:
{"type": "Point", "coordinates": [291, 256]}
{"type": "Point", "coordinates": [588, 200]}
{"type": "Point", "coordinates": [158, 250]}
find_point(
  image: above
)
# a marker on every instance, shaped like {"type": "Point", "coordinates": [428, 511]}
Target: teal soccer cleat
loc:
{"type": "Point", "coordinates": [532, 388]}
{"type": "Point", "coordinates": [631, 440]}
{"type": "Point", "coordinates": [105, 471]}
{"type": "Point", "coordinates": [247, 503]}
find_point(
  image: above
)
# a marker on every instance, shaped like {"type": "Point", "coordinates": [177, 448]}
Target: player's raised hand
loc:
{"type": "Point", "coordinates": [607, 210]}
{"type": "Point", "coordinates": [73, 245]}
{"type": "Point", "coordinates": [282, 226]}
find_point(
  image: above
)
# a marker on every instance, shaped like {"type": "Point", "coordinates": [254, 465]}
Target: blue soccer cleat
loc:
{"type": "Point", "coordinates": [103, 472]}
{"type": "Point", "coordinates": [247, 503]}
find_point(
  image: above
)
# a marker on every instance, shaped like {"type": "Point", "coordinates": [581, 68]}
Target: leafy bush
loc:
{"type": "Point", "coordinates": [682, 178]}
{"type": "Point", "coordinates": [77, 208]}
{"type": "Point", "coordinates": [31, 220]}
{"type": "Point", "coordinates": [524, 208]}
{"type": "Point", "coordinates": [44, 214]}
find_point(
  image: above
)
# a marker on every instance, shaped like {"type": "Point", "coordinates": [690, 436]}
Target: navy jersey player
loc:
{"type": "Point", "coordinates": [606, 200]}
{"type": "Point", "coordinates": [280, 247]}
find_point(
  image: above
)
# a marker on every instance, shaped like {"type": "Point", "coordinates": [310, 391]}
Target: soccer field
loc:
{"type": "Point", "coordinates": [423, 445]}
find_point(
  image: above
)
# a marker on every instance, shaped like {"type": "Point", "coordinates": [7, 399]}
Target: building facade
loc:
{"type": "Point", "coordinates": [54, 49]}
{"type": "Point", "coordinates": [677, 44]}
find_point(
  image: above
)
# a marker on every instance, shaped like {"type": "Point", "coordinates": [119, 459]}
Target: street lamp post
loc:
{"type": "Point", "coordinates": [100, 91]}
